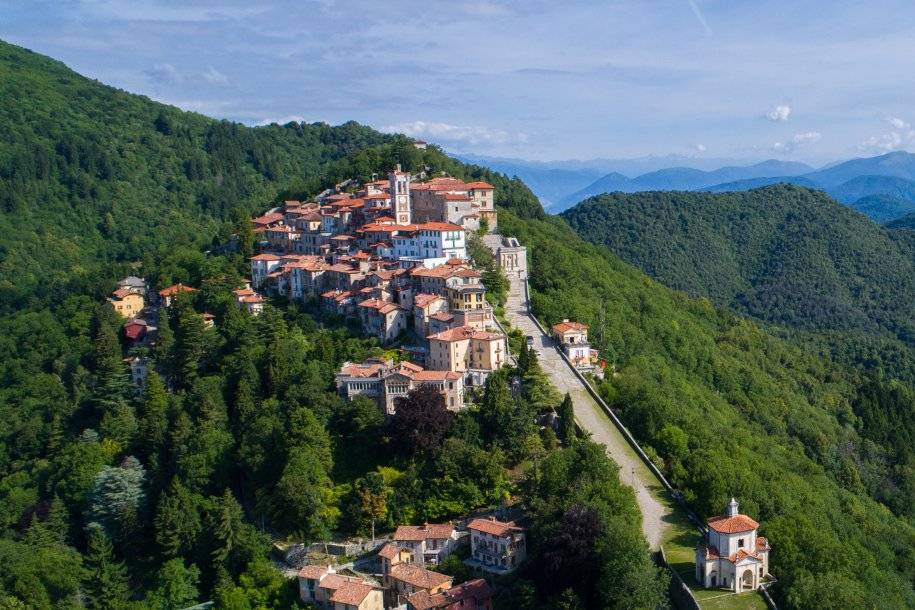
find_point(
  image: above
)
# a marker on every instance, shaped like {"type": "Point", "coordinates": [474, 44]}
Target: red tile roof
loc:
{"type": "Point", "coordinates": [429, 531]}
{"type": "Point", "coordinates": [564, 327]}
{"type": "Point", "coordinates": [479, 185]}
{"type": "Point", "coordinates": [266, 256]}
{"type": "Point", "coordinates": [120, 293]}
{"type": "Point", "coordinates": [418, 576]}
{"type": "Point", "coordinates": [438, 226]}
{"type": "Point", "coordinates": [423, 300]}
{"type": "Point", "coordinates": [389, 551]}
{"type": "Point", "coordinates": [351, 593]}
{"type": "Point", "coordinates": [732, 525]}
{"type": "Point", "coordinates": [314, 572]}
{"type": "Point", "coordinates": [175, 289]}
{"type": "Point", "coordinates": [494, 527]}
{"type": "Point", "coordinates": [477, 590]}
{"type": "Point", "coordinates": [383, 307]}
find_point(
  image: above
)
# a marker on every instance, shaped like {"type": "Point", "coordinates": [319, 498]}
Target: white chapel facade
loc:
{"type": "Point", "coordinates": [732, 555]}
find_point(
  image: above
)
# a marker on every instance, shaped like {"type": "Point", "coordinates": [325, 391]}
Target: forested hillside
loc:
{"type": "Point", "coordinates": [783, 254]}
{"type": "Point", "coordinates": [732, 410]}
{"type": "Point", "coordinates": [115, 499]}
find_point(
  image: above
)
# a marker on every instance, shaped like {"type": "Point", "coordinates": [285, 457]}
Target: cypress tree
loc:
{"type": "Point", "coordinates": [566, 413]}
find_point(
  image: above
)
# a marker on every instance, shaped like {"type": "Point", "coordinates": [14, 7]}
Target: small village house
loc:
{"type": "Point", "coordinates": [496, 546]}
{"type": "Point", "coordinates": [127, 302]}
{"type": "Point", "coordinates": [573, 339]}
{"type": "Point", "coordinates": [429, 544]}
{"type": "Point", "coordinates": [167, 295]}
{"type": "Point", "coordinates": [324, 588]}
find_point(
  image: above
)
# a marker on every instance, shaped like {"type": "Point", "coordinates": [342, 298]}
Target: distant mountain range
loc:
{"type": "Point", "coordinates": [881, 187]}
{"type": "Point", "coordinates": [553, 181]}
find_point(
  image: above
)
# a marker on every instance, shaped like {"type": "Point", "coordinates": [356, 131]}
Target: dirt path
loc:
{"type": "Point", "coordinates": [591, 417]}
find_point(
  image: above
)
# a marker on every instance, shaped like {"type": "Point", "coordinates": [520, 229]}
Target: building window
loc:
{"type": "Point", "coordinates": [740, 543]}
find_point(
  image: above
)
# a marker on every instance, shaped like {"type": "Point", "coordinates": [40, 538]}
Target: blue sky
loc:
{"type": "Point", "coordinates": [807, 80]}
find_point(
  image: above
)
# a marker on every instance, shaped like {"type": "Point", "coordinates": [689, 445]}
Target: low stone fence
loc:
{"type": "Point", "coordinates": [680, 594]}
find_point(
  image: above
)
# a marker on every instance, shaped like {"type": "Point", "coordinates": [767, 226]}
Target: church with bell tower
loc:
{"type": "Point", "coordinates": [732, 555]}
{"type": "Point", "coordinates": [399, 182]}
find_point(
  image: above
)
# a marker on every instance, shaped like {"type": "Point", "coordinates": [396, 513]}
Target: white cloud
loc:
{"type": "Point", "coordinates": [797, 141]}
{"type": "Point", "coordinates": [445, 133]}
{"type": "Point", "coordinates": [900, 135]}
{"type": "Point", "coordinates": [700, 148]}
{"type": "Point", "coordinates": [779, 113]}
{"type": "Point", "coordinates": [897, 123]}
{"type": "Point", "coordinates": [215, 77]}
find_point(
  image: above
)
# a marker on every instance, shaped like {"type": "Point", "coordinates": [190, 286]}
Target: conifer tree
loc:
{"type": "Point", "coordinates": [177, 522]}
{"type": "Point", "coordinates": [566, 413]}
{"type": "Point", "coordinates": [105, 579]}
{"type": "Point", "coordinates": [153, 423]}
{"type": "Point", "coordinates": [189, 347]}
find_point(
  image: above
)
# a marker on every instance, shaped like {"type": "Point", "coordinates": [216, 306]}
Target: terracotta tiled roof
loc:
{"type": "Point", "coordinates": [436, 376]}
{"type": "Point", "coordinates": [429, 531]}
{"type": "Point", "coordinates": [479, 185]}
{"type": "Point", "coordinates": [564, 327]}
{"type": "Point", "coordinates": [351, 593]}
{"type": "Point", "coordinates": [438, 226]}
{"type": "Point", "coordinates": [732, 525]}
{"type": "Point", "coordinates": [478, 590]}
{"type": "Point", "coordinates": [175, 289]}
{"type": "Point", "coordinates": [379, 305]}
{"type": "Point", "coordinates": [418, 576]}
{"type": "Point", "coordinates": [423, 300]}
{"type": "Point", "coordinates": [314, 572]}
{"type": "Point", "coordinates": [266, 256]}
{"type": "Point", "coordinates": [442, 316]}
{"type": "Point", "coordinates": [268, 218]}
{"type": "Point", "coordinates": [364, 370]}
{"type": "Point", "coordinates": [120, 293]}
{"type": "Point", "coordinates": [494, 527]}
{"type": "Point", "coordinates": [389, 551]}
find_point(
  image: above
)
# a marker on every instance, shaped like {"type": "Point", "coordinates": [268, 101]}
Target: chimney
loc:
{"type": "Point", "coordinates": [732, 508]}
{"type": "Point", "coordinates": [397, 167]}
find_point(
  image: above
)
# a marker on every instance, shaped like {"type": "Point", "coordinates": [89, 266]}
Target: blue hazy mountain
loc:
{"type": "Point", "coordinates": [684, 179]}
{"type": "Point", "coordinates": [899, 164]}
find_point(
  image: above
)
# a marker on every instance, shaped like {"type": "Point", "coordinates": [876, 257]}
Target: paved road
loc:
{"type": "Point", "coordinates": [591, 417]}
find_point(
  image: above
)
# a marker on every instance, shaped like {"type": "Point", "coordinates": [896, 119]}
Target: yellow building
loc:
{"type": "Point", "coordinates": [466, 348]}
{"type": "Point", "coordinates": [126, 302]}
{"type": "Point", "coordinates": [466, 297]}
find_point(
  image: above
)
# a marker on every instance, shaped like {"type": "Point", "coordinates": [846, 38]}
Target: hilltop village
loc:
{"type": "Point", "coordinates": [393, 254]}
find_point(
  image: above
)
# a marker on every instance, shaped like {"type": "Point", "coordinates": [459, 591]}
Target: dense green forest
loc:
{"type": "Point", "coordinates": [731, 410]}
{"type": "Point", "coordinates": [91, 176]}
{"type": "Point", "coordinates": [784, 254]}
{"type": "Point", "coordinates": [112, 498]}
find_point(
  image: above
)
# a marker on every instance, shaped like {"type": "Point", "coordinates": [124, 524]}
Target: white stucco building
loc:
{"type": "Point", "coordinates": [732, 555]}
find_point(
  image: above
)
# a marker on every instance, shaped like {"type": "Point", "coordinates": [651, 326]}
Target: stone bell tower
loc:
{"type": "Point", "coordinates": [400, 195]}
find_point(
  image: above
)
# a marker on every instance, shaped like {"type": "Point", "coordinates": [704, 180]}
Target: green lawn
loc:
{"type": "Point", "coordinates": [713, 599]}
